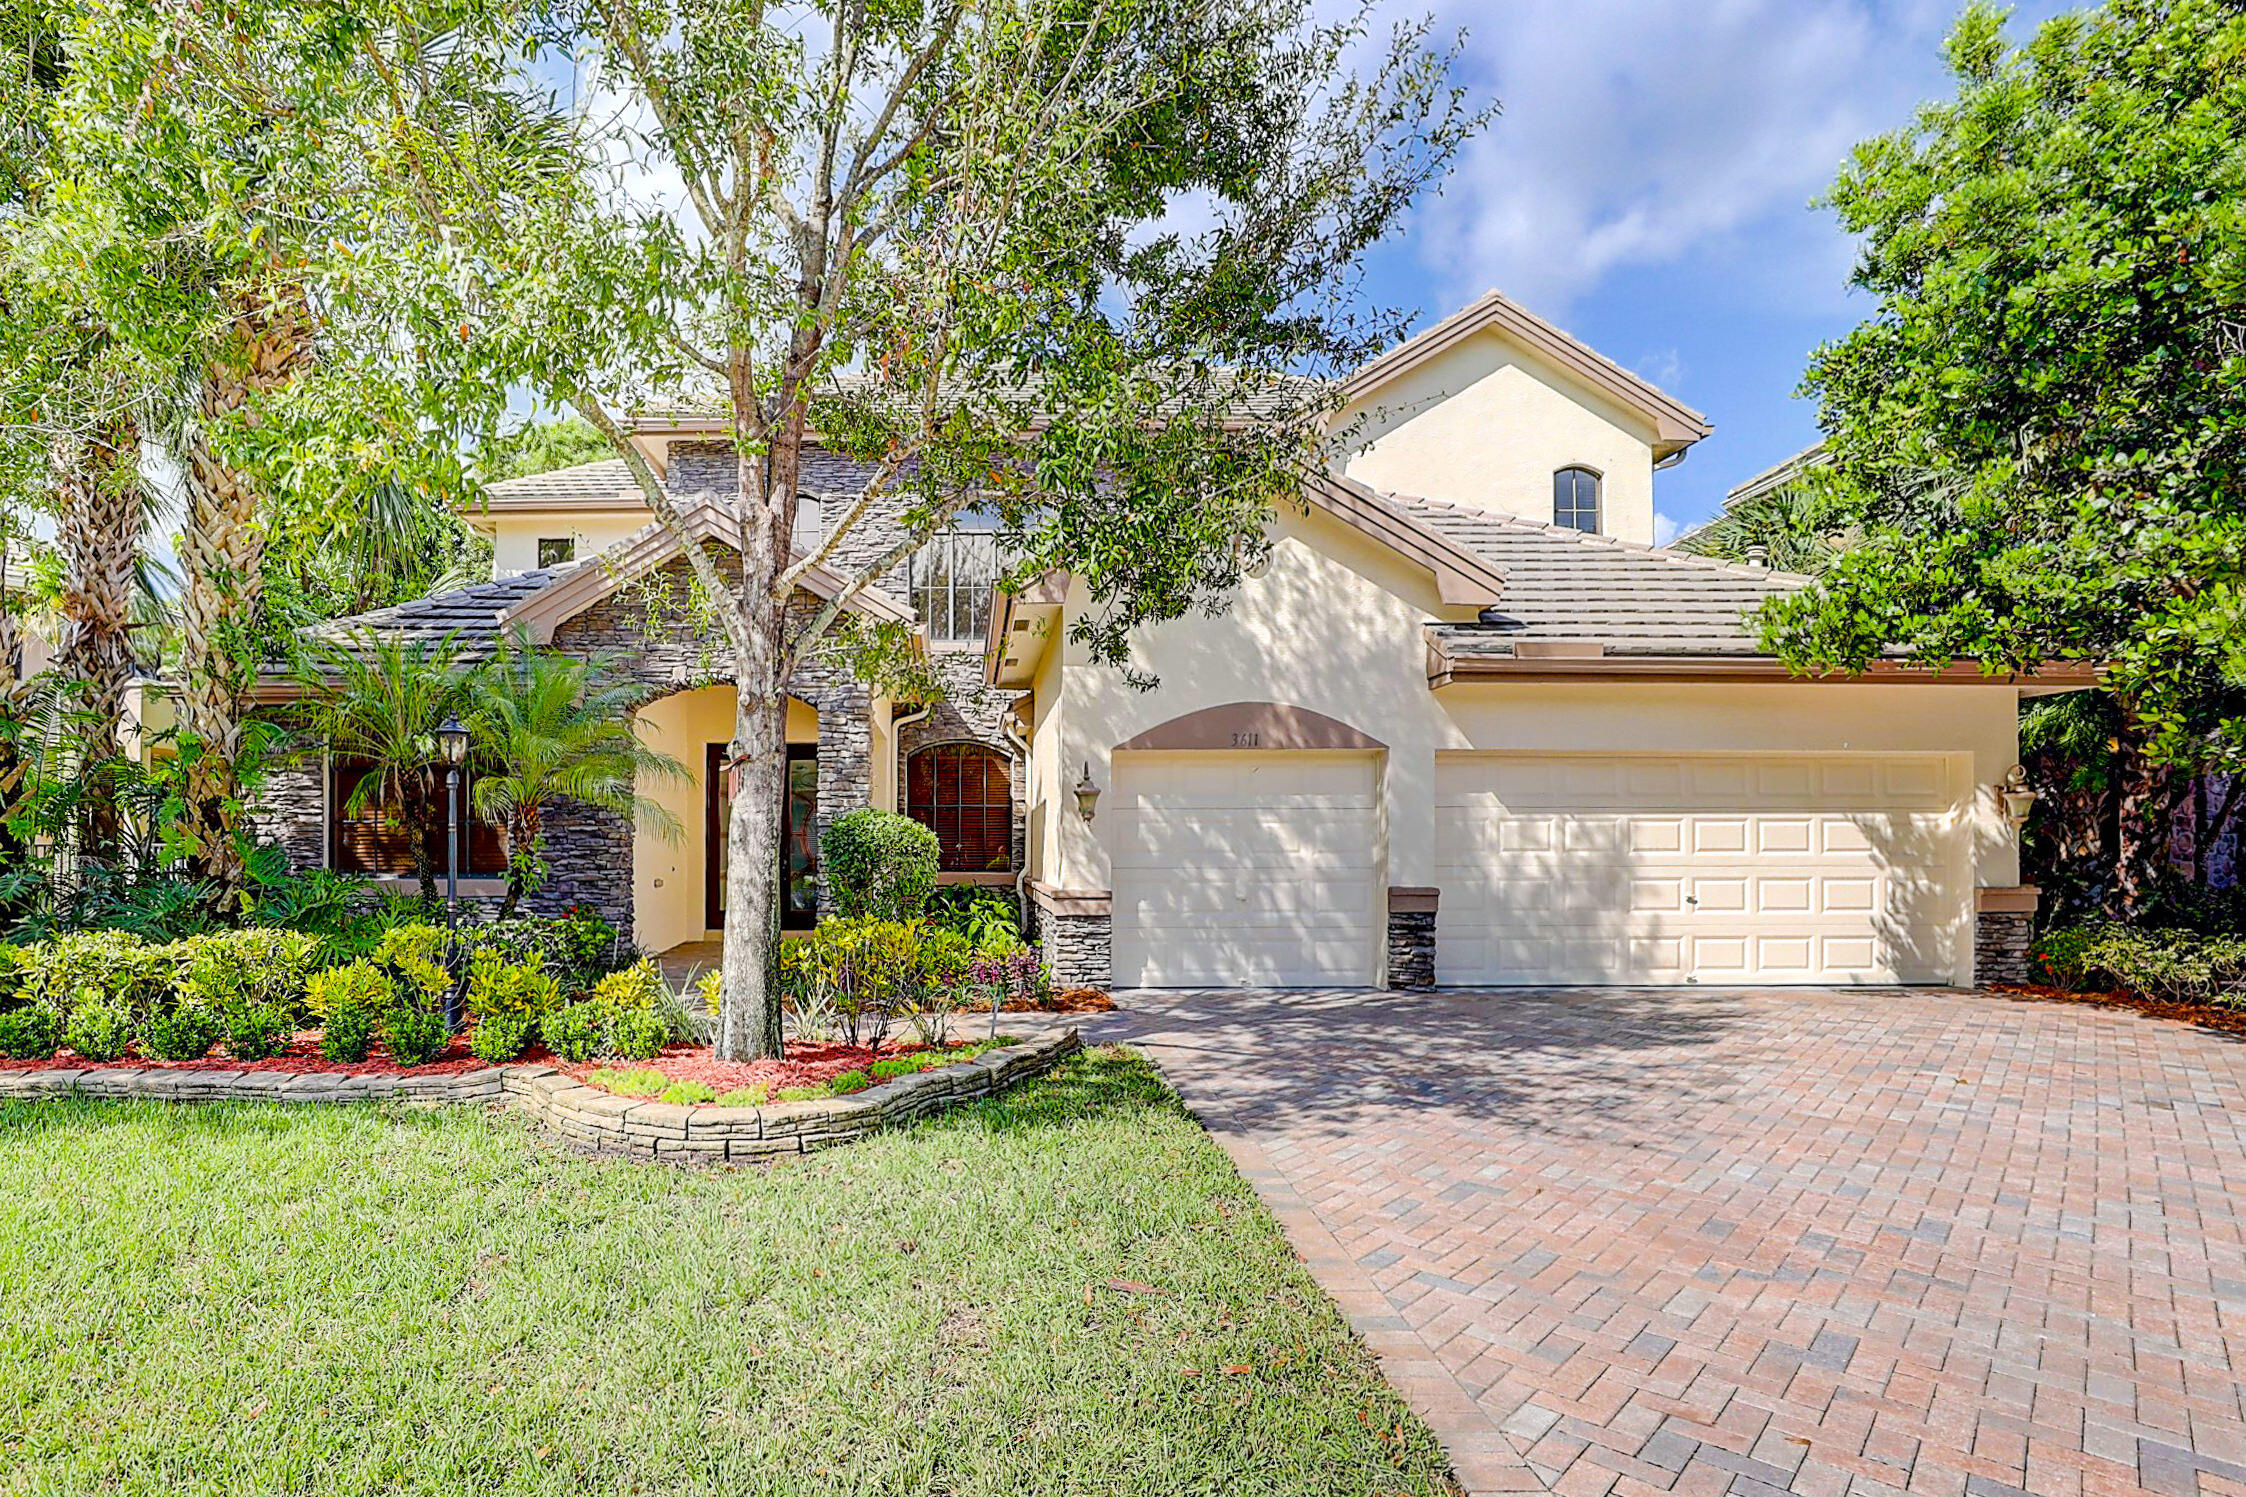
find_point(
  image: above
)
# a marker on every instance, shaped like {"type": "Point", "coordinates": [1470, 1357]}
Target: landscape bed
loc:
{"type": "Point", "coordinates": [1063, 1289]}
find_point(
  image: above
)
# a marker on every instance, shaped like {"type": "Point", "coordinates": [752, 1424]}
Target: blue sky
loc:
{"type": "Point", "coordinates": [1647, 187]}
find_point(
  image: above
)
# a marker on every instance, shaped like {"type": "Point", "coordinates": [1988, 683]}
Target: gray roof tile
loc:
{"type": "Point", "coordinates": [594, 482]}
{"type": "Point", "coordinates": [1634, 599]}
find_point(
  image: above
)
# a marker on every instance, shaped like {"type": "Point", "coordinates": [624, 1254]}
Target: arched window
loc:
{"type": "Point", "coordinates": [1575, 499]}
{"type": "Point", "coordinates": [964, 793]}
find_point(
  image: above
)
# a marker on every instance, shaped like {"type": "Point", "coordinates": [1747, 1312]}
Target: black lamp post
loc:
{"type": "Point", "coordinates": [452, 741]}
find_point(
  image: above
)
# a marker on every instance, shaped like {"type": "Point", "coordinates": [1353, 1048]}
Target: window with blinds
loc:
{"type": "Point", "coordinates": [964, 793]}
{"type": "Point", "coordinates": [374, 840]}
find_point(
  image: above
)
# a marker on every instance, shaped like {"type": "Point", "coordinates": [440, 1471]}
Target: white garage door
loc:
{"type": "Point", "coordinates": [1245, 869]}
{"type": "Point", "coordinates": [1754, 869]}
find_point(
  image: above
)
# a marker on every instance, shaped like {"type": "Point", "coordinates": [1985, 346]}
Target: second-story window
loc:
{"type": "Point", "coordinates": [951, 578]}
{"type": "Point", "coordinates": [1575, 499]}
{"type": "Point", "coordinates": [556, 552]}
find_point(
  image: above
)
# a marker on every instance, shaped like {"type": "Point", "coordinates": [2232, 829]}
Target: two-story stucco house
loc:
{"type": "Point", "coordinates": [1468, 726]}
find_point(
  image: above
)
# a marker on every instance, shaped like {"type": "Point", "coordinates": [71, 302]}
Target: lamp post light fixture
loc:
{"type": "Point", "coordinates": [2019, 797]}
{"type": "Point", "coordinates": [1087, 794]}
{"type": "Point", "coordinates": [452, 742]}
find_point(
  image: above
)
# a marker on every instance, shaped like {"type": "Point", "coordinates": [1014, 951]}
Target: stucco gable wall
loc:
{"type": "Point", "coordinates": [1486, 424]}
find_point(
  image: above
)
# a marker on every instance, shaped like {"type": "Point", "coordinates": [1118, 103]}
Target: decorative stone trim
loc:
{"type": "Point", "coordinates": [1411, 938]}
{"type": "Point", "coordinates": [485, 1085]}
{"type": "Point", "coordinates": [2003, 925]}
{"type": "Point", "coordinates": [588, 1115]}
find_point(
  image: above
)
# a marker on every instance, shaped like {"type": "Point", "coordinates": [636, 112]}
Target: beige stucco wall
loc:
{"type": "Point", "coordinates": [1486, 424]}
{"type": "Point", "coordinates": [1334, 626]}
{"type": "Point", "coordinates": [515, 535]}
{"type": "Point", "coordinates": [668, 892]}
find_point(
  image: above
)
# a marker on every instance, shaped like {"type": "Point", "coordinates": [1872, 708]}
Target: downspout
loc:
{"type": "Point", "coordinates": [1011, 727]}
{"type": "Point", "coordinates": [897, 726]}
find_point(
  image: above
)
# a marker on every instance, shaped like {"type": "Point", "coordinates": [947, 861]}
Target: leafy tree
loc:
{"type": "Point", "coordinates": [541, 447]}
{"type": "Point", "coordinates": [381, 698]}
{"type": "Point", "coordinates": [2042, 428]}
{"type": "Point", "coordinates": [549, 727]}
{"type": "Point", "coordinates": [912, 234]}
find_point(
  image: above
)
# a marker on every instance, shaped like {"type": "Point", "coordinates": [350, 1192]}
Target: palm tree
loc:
{"type": "Point", "coordinates": [267, 345]}
{"type": "Point", "coordinates": [100, 506]}
{"type": "Point", "coordinates": [381, 698]}
{"type": "Point", "coordinates": [548, 727]}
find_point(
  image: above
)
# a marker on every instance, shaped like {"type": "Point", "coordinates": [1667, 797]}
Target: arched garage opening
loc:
{"type": "Point", "coordinates": [1245, 850]}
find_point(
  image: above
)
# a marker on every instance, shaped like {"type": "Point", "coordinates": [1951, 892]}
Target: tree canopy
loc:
{"type": "Point", "coordinates": [2041, 430]}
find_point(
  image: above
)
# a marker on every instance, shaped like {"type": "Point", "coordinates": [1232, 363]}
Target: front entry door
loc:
{"type": "Point", "coordinates": [799, 837]}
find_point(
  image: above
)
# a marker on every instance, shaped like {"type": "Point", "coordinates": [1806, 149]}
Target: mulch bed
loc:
{"type": "Point", "coordinates": [302, 1054]}
{"type": "Point", "coordinates": [2205, 1016]}
{"type": "Point", "coordinates": [1063, 1001]}
{"type": "Point", "coordinates": [802, 1065]}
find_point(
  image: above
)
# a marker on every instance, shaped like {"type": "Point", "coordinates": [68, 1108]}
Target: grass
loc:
{"type": "Point", "coordinates": [258, 1298]}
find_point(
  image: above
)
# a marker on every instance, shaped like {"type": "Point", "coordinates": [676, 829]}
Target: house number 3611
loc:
{"type": "Point", "coordinates": [1247, 740]}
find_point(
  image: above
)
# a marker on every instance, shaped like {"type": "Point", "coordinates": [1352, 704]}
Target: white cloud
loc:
{"type": "Point", "coordinates": [1636, 133]}
{"type": "Point", "coordinates": [1665, 528]}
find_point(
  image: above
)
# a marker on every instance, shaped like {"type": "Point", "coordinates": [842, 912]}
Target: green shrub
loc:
{"type": "Point", "coordinates": [12, 959]}
{"type": "Point", "coordinates": [987, 919]}
{"type": "Point", "coordinates": [639, 1083]}
{"type": "Point", "coordinates": [746, 1096]}
{"type": "Point", "coordinates": [879, 864]}
{"type": "Point", "coordinates": [350, 1001]}
{"type": "Point", "coordinates": [500, 1038]}
{"type": "Point", "coordinates": [638, 1036]}
{"type": "Point", "coordinates": [802, 1094]}
{"type": "Point", "coordinates": [687, 1093]}
{"type": "Point", "coordinates": [414, 1036]}
{"type": "Point", "coordinates": [578, 948]}
{"type": "Point", "coordinates": [99, 1029]}
{"type": "Point", "coordinates": [848, 1082]}
{"type": "Point", "coordinates": [2062, 957]}
{"type": "Point", "coordinates": [258, 1031]}
{"type": "Point", "coordinates": [117, 965]}
{"type": "Point", "coordinates": [895, 1066]}
{"type": "Point", "coordinates": [2169, 966]}
{"type": "Point", "coordinates": [181, 1031]}
{"type": "Point", "coordinates": [576, 1031]}
{"type": "Point", "coordinates": [230, 968]}
{"type": "Point", "coordinates": [517, 990]}
{"type": "Point", "coordinates": [32, 1032]}
{"type": "Point", "coordinates": [415, 953]}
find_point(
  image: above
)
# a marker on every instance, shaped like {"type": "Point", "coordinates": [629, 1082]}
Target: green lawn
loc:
{"type": "Point", "coordinates": [267, 1299]}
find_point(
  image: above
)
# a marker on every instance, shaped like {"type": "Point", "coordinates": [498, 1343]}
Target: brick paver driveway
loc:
{"type": "Point", "coordinates": [1751, 1241]}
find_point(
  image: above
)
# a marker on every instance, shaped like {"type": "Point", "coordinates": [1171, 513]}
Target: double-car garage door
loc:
{"type": "Point", "coordinates": [1265, 869]}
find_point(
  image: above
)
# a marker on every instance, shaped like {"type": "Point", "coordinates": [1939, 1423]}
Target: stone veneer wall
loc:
{"type": "Point", "coordinates": [1411, 950]}
{"type": "Point", "coordinates": [2000, 946]}
{"type": "Point", "coordinates": [603, 1120]}
{"type": "Point", "coordinates": [1078, 948]}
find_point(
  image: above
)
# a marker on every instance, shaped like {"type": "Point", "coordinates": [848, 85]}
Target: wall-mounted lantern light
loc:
{"type": "Point", "coordinates": [2019, 797]}
{"type": "Point", "coordinates": [1087, 794]}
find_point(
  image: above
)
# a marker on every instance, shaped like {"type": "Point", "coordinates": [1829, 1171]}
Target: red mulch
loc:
{"type": "Point", "coordinates": [2205, 1016]}
{"type": "Point", "coordinates": [302, 1054]}
{"type": "Point", "coordinates": [803, 1065]}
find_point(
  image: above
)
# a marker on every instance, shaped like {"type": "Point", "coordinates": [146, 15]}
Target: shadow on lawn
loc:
{"type": "Point", "coordinates": [1618, 1063]}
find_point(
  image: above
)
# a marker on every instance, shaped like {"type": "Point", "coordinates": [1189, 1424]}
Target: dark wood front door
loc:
{"type": "Point", "coordinates": [799, 837]}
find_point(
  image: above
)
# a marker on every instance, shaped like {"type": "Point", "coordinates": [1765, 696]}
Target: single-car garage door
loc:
{"type": "Point", "coordinates": [1561, 869]}
{"type": "Point", "coordinates": [1245, 869]}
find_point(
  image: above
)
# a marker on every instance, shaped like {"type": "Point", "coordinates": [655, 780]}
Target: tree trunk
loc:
{"type": "Point", "coordinates": [524, 831]}
{"type": "Point", "coordinates": [749, 1020]}
{"type": "Point", "coordinates": [2140, 843]}
{"type": "Point", "coordinates": [98, 527]}
{"type": "Point", "coordinates": [222, 553]}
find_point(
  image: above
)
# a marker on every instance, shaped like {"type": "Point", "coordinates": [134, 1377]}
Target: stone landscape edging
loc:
{"type": "Point", "coordinates": [586, 1114]}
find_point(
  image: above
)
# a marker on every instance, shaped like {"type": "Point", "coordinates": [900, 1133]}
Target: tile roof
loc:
{"type": "Point", "coordinates": [606, 479]}
{"type": "Point", "coordinates": [1634, 599]}
{"type": "Point", "coordinates": [473, 613]}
